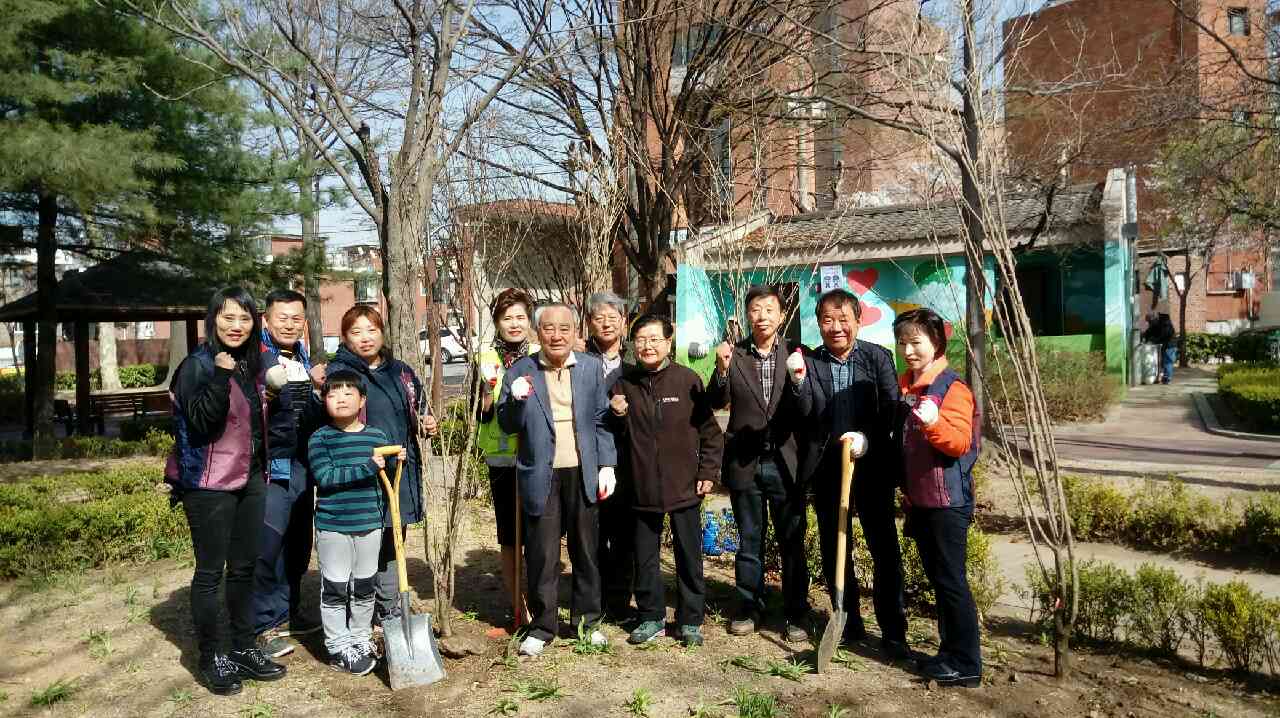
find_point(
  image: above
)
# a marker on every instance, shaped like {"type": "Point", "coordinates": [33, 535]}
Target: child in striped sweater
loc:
{"type": "Point", "coordinates": [348, 521]}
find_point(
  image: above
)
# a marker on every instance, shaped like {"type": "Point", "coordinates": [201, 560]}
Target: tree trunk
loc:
{"type": "Point", "coordinates": [107, 356]}
{"type": "Point", "coordinates": [1182, 310]}
{"type": "Point", "coordinates": [178, 349]}
{"type": "Point", "coordinates": [47, 316]}
{"type": "Point", "coordinates": [974, 279]}
{"type": "Point", "coordinates": [1061, 645]}
{"type": "Point", "coordinates": [313, 242]}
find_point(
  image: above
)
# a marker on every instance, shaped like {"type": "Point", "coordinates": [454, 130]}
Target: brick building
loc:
{"type": "Point", "coordinates": [1116, 80]}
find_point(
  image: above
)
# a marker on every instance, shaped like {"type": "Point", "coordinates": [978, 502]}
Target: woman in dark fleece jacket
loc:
{"type": "Point", "coordinates": [218, 472]}
{"type": "Point", "coordinates": [396, 405]}
{"type": "Point", "coordinates": [667, 433]}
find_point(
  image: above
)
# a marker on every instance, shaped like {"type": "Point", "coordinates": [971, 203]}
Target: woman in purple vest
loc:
{"type": "Point", "coordinates": [217, 470]}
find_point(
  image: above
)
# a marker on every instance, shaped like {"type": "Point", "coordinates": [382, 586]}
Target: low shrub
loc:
{"type": "Point", "coordinates": [1062, 374]}
{"type": "Point", "coordinates": [154, 442]}
{"type": "Point", "coordinates": [1155, 609]}
{"type": "Point", "coordinates": [1251, 346]}
{"type": "Point", "coordinates": [81, 521]}
{"type": "Point", "coordinates": [1172, 517]}
{"type": "Point", "coordinates": [1203, 348]}
{"type": "Point", "coordinates": [1253, 393]}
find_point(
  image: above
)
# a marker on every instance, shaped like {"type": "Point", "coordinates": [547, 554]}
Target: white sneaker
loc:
{"type": "Point", "coordinates": [531, 646]}
{"type": "Point", "coordinates": [598, 639]}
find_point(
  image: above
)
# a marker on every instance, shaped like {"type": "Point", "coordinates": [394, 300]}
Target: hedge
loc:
{"type": "Point", "coordinates": [80, 521]}
{"type": "Point", "coordinates": [1062, 373]}
{"type": "Point", "coordinates": [1253, 392]}
{"type": "Point", "coordinates": [1168, 516]}
{"type": "Point", "coordinates": [135, 376]}
{"type": "Point", "coordinates": [153, 442]}
{"type": "Point", "coordinates": [1203, 348]}
{"type": "Point", "coordinates": [1156, 610]}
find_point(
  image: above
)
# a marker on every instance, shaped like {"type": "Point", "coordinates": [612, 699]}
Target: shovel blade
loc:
{"type": "Point", "coordinates": [408, 665]}
{"type": "Point", "coordinates": [831, 639]}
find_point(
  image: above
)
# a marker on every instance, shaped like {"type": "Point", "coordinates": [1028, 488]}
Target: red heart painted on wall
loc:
{"type": "Point", "coordinates": [862, 281]}
{"type": "Point", "coordinates": [870, 315]}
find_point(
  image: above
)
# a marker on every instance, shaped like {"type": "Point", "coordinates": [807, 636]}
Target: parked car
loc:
{"type": "Point", "coordinates": [451, 347]}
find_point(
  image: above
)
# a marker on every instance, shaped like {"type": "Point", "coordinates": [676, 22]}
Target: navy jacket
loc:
{"type": "Point", "coordinates": [292, 416]}
{"type": "Point", "coordinates": [531, 420]}
{"type": "Point", "coordinates": [874, 395]}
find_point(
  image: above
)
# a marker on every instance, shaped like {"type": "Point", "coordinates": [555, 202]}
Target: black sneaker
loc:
{"type": "Point", "coordinates": [220, 676]}
{"type": "Point", "coordinates": [253, 663]}
{"type": "Point", "coordinates": [945, 675]}
{"type": "Point", "coordinates": [896, 650]}
{"type": "Point", "coordinates": [355, 660]}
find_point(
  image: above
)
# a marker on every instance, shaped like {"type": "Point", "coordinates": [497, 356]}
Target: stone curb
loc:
{"type": "Point", "coordinates": [1213, 426]}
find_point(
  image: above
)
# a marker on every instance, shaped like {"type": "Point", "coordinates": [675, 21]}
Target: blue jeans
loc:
{"type": "Point", "coordinates": [1168, 355]}
{"type": "Point", "coordinates": [752, 508]}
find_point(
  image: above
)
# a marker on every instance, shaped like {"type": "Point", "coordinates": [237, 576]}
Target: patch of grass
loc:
{"type": "Point", "coordinates": [539, 689]}
{"type": "Point", "coordinates": [4, 696]}
{"type": "Point", "coordinates": [748, 663]}
{"type": "Point", "coordinates": [702, 710]}
{"type": "Point", "coordinates": [56, 692]}
{"type": "Point", "coordinates": [180, 697]}
{"type": "Point", "coordinates": [258, 708]}
{"type": "Point", "coordinates": [848, 660]}
{"type": "Point", "coordinates": [99, 640]}
{"type": "Point", "coordinates": [511, 656]}
{"type": "Point", "coordinates": [469, 616]}
{"type": "Point", "coordinates": [583, 646]}
{"type": "Point", "coordinates": [640, 703]}
{"type": "Point", "coordinates": [792, 670]}
{"type": "Point", "coordinates": [505, 707]}
{"type": "Point", "coordinates": [752, 704]}
{"type": "Point", "coordinates": [835, 710]}
{"type": "Point", "coordinates": [654, 646]}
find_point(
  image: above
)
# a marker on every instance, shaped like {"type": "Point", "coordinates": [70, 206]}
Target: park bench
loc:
{"type": "Point", "coordinates": [138, 404]}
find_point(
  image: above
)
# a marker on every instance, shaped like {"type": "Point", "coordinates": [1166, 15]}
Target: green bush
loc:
{"type": "Point", "coordinates": [1156, 610]}
{"type": "Point", "coordinates": [1253, 393]}
{"type": "Point", "coordinates": [1171, 517]}
{"type": "Point", "coordinates": [134, 376]}
{"type": "Point", "coordinates": [1201, 348]}
{"type": "Point", "coordinates": [154, 443]}
{"type": "Point", "coordinates": [138, 429]}
{"type": "Point", "coordinates": [1251, 346]}
{"type": "Point", "coordinates": [1062, 375]}
{"type": "Point", "coordinates": [80, 521]}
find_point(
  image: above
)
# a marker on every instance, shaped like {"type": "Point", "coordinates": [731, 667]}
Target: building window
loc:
{"type": "Point", "coordinates": [693, 40]}
{"type": "Point", "coordinates": [1238, 21]}
{"type": "Point", "coordinates": [724, 161]}
{"type": "Point", "coordinates": [367, 289]}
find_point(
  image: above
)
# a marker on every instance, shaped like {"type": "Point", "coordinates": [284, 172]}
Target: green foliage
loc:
{"type": "Point", "coordinates": [505, 707]}
{"type": "Point", "coordinates": [155, 443]}
{"type": "Point", "coordinates": [1062, 373]}
{"type": "Point", "coordinates": [1156, 610]}
{"type": "Point", "coordinates": [1168, 516]}
{"type": "Point", "coordinates": [640, 703]}
{"type": "Point", "coordinates": [751, 704]}
{"type": "Point", "coordinates": [1253, 393]}
{"type": "Point", "coordinates": [56, 692]}
{"type": "Point", "coordinates": [539, 689]}
{"type": "Point", "coordinates": [1251, 346]}
{"type": "Point", "coordinates": [99, 641]}
{"type": "Point", "coordinates": [77, 521]}
{"type": "Point", "coordinates": [134, 376]}
{"type": "Point", "coordinates": [1202, 348]}
{"type": "Point", "coordinates": [582, 644]}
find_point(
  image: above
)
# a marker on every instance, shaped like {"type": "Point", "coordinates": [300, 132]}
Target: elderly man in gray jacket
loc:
{"type": "Point", "coordinates": [556, 402]}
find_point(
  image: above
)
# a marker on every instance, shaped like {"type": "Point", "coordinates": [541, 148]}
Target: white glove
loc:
{"type": "Point", "coordinates": [926, 411]}
{"type": "Point", "coordinates": [859, 445]}
{"type": "Point", "coordinates": [521, 388]}
{"type": "Point", "coordinates": [489, 372]}
{"type": "Point", "coordinates": [277, 377]}
{"type": "Point", "coordinates": [795, 366]}
{"type": "Point", "coordinates": [296, 371]}
{"type": "Point", "coordinates": [608, 482]}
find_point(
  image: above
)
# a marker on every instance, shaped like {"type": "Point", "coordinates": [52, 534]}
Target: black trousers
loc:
{"type": "Point", "coordinates": [225, 527]}
{"type": "Point", "coordinates": [567, 511]}
{"type": "Point", "coordinates": [284, 553]}
{"type": "Point", "coordinates": [942, 535]}
{"type": "Point", "coordinates": [615, 554]}
{"type": "Point", "coordinates": [873, 500]}
{"type": "Point", "coordinates": [686, 537]}
{"type": "Point", "coordinates": [770, 496]}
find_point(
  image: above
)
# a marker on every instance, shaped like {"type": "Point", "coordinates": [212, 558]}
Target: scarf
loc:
{"type": "Point", "coordinates": [510, 351]}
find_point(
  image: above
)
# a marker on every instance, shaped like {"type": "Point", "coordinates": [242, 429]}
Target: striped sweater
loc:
{"type": "Point", "coordinates": [348, 492]}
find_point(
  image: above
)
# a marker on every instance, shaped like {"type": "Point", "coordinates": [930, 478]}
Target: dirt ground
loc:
{"type": "Point", "coordinates": [122, 639]}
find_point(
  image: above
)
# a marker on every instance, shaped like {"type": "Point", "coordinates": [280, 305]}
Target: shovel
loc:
{"type": "Point", "coordinates": [835, 626]}
{"type": "Point", "coordinates": [410, 645]}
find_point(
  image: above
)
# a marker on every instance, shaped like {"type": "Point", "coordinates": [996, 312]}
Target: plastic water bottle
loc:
{"type": "Point", "coordinates": [710, 534]}
{"type": "Point", "coordinates": [728, 540]}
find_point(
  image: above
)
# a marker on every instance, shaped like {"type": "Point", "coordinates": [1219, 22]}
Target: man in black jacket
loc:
{"type": "Point", "coordinates": [669, 437]}
{"type": "Point", "coordinates": [292, 411]}
{"type": "Point", "coordinates": [851, 389]}
{"type": "Point", "coordinates": [760, 466]}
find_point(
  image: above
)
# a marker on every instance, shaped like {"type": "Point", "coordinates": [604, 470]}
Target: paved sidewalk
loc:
{"type": "Point", "coordinates": [1159, 425]}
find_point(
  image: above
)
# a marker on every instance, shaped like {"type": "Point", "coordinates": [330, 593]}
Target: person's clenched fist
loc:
{"type": "Point", "coordinates": [795, 366]}
{"type": "Point", "coordinates": [857, 443]}
{"type": "Point", "coordinates": [618, 403]}
{"type": "Point", "coordinates": [926, 411]}
{"type": "Point", "coordinates": [724, 353]}
{"type": "Point", "coordinates": [521, 388]}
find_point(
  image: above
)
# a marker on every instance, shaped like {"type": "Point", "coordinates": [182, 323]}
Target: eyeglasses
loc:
{"type": "Point", "coordinates": [646, 341]}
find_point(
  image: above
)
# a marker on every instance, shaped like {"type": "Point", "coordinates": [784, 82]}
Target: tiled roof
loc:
{"type": "Point", "coordinates": [1072, 205]}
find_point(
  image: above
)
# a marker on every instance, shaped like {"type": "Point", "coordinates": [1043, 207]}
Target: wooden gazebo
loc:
{"type": "Point", "coordinates": [132, 287]}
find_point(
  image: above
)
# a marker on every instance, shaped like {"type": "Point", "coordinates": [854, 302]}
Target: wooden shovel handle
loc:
{"type": "Point", "coordinates": [393, 505]}
{"type": "Point", "coordinates": [390, 450]}
{"type": "Point", "coordinates": [842, 537]}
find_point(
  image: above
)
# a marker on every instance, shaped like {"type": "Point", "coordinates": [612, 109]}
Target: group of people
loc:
{"type": "Point", "coordinates": [603, 441]}
{"type": "Point", "coordinates": [274, 456]}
